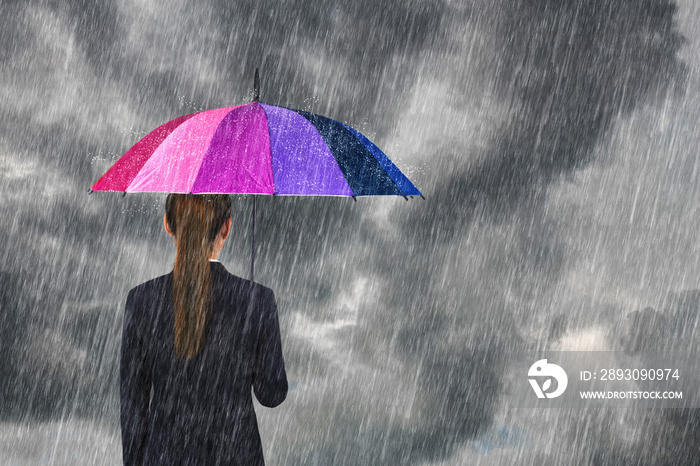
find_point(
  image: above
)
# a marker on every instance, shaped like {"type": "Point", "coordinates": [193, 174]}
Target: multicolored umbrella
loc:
{"type": "Point", "coordinates": [256, 148]}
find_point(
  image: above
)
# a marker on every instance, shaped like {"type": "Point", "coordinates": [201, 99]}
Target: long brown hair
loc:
{"type": "Point", "coordinates": [195, 220]}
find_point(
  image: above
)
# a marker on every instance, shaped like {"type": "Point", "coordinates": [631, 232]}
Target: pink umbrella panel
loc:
{"type": "Point", "coordinates": [256, 148]}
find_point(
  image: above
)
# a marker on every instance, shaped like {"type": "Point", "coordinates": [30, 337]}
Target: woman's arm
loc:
{"type": "Point", "coordinates": [134, 388]}
{"type": "Point", "coordinates": [269, 378]}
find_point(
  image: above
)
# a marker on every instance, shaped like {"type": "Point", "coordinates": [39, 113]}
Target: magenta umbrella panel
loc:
{"type": "Point", "coordinates": [256, 148]}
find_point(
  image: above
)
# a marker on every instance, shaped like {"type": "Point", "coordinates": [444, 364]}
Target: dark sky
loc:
{"type": "Point", "coordinates": [554, 141]}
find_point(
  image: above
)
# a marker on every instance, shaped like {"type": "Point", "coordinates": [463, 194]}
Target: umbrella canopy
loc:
{"type": "Point", "coordinates": [256, 148]}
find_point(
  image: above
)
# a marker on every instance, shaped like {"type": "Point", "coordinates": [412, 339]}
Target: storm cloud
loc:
{"type": "Point", "coordinates": [568, 70]}
{"type": "Point", "coordinates": [398, 318]}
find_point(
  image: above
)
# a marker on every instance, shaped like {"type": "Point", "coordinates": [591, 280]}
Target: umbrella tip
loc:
{"type": "Point", "coordinates": [124, 195]}
{"type": "Point", "coordinates": [189, 195]}
{"type": "Point", "coordinates": [89, 190]}
{"type": "Point", "coordinates": [256, 86]}
{"type": "Point", "coordinates": [354, 198]}
{"type": "Point", "coordinates": [422, 197]}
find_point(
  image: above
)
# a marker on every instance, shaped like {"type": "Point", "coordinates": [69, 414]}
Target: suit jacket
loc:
{"type": "Point", "coordinates": [199, 412]}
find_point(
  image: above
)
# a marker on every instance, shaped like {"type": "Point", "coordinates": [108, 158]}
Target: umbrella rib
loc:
{"type": "Point", "coordinates": [269, 138]}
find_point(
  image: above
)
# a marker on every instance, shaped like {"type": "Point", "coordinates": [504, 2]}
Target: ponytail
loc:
{"type": "Point", "coordinates": [195, 221]}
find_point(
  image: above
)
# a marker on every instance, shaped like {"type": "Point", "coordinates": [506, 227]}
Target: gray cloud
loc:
{"type": "Point", "coordinates": [648, 436]}
{"type": "Point", "coordinates": [569, 69]}
{"type": "Point", "coordinates": [55, 359]}
{"type": "Point", "coordinates": [443, 279]}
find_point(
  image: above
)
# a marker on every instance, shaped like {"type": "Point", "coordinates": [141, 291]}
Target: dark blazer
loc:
{"type": "Point", "coordinates": [200, 412]}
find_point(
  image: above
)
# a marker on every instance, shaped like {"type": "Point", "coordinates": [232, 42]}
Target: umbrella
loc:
{"type": "Point", "coordinates": [256, 148]}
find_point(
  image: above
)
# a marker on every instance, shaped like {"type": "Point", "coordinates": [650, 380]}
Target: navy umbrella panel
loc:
{"type": "Point", "coordinates": [367, 170]}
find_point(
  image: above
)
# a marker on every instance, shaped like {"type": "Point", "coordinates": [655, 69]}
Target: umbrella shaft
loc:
{"type": "Point", "coordinates": [252, 252]}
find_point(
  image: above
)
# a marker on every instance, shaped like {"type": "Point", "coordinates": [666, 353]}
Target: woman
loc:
{"type": "Point", "coordinates": [194, 343]}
